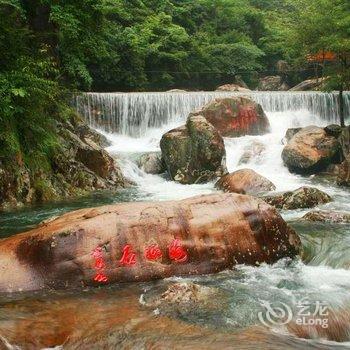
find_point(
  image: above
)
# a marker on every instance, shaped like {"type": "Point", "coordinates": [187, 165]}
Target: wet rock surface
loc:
{"type": "Point", "coordinates": [333, 130]}
{"type": "Point", "coordinates": [245, 181]}
{"type": "Point", "coordinates": [235, 116]}
{"type": "Point", "coordinates": [194, 153]}
{"type": "Point", "coordinates": [290, 134]}
{"type": "Point", "coordinates": [327, 216]}
{"type": "Point", "coordinates": [304, 197]}
{"type": "Point", "coordinates": [152, 163]}
{"type": "Point", "coordinates": [337, 329]}
{"type": "Point", "coordinates": [146, 241]}
{"type": "Point", "coordinates": [311, 150]}
{"type": "Point", "coordinates": [113, 319]}
{"type": "Point", "coordinates": [183, 297]}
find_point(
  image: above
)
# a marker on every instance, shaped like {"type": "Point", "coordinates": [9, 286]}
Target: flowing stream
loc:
{"type": "Point", "coordinates": [115, 316]}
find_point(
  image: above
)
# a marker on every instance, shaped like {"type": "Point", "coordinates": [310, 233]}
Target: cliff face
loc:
{"type": "Point", "coordinates": [78, 165]}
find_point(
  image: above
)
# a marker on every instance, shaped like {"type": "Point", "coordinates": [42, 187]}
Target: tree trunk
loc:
{"type": "Point", "coordinates": [341, 108]}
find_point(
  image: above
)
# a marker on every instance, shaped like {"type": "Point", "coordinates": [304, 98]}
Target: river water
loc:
{"type": "Point", "coordinates": [115, 317]}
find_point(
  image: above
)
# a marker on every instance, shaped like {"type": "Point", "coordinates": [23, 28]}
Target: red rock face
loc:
{"type": "Point", "coordinates": [247, 115]}
{"type": "Point", "coordinates": [236, 116]}
{"type": "Point", "coordinates": [145, 241]}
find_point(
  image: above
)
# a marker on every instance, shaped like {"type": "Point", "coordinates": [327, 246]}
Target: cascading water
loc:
{"type": "Point", "coordinates": [134, 114]}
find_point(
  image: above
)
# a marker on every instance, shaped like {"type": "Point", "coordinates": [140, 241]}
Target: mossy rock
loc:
{"type": "Point", "coordinates": [194, 153]}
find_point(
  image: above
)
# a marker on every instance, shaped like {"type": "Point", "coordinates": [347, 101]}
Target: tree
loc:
{"type": "Point", "coordinates": [324, 26]}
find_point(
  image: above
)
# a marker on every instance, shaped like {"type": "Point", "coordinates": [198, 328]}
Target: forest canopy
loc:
{"type": "Point", "coordinates": [119, 45]}
{"type": "Point", "coordinates": [50, 48]}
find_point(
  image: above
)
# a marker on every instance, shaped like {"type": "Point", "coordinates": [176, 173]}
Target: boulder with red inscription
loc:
{"type": "Point", "coordinates": [145, 241]}
{"type": "Point", "coordinates": [235, 116]}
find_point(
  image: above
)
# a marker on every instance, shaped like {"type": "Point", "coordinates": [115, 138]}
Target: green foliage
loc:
{"type": "Point", "coordinates": [27, 91]}
{"type": "Point", "coordinates": [181, 43]}
{"type": "Point", "coordinates": [323, 26]}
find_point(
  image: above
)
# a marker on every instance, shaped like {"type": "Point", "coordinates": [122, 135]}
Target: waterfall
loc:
{"type": "Point", "coordinates": [133, 114]}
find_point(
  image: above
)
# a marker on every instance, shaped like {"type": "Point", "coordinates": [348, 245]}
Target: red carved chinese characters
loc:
{"type": "Point", "coordinates": [129, 257]}
{"type": "Point", "coordinates": [99, 266]}
{"type": "Point", "coordinates": [153, 252]}
{"type": "Point", "coordinates": [247, 116]}
{"type": "Point", "coordinates": [177, 252]}
{"type": "Point", "coordinates": [101, 277]}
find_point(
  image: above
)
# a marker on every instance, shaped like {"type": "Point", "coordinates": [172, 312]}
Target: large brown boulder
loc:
{"type": "Point", "coordinates": [289, 135]}
{"type": "Point", "coordinates": [245, 181]}
{"type": "Point", "coordinates": [311, 150]}
{"type": "Point", "coordinates": [85, 164]}
{"type": "Point", "coordinates": [194, 153]}
{"type": "Point", "coordinates": [304, 197]}
{"type": "Point", "coordinates": [145, 241]}
{"type": "Point", "coordinates": [236, 116]}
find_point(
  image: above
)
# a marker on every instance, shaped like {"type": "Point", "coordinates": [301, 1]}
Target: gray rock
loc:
{"type": "Point", "coordinates": [327, 216]}
{"type": "Point", "coordinates": [272, 83]}
{"type": "Point", "coordinates": [151, 163]}
{"type": "Point", "coordinates": [333, 130]}
{"type": "Point", "coordinates": [194, 153]}
{"type": "Point", "coordinates": [78, 165]}
{"type": "Point", "coordinates": [304, 197]}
